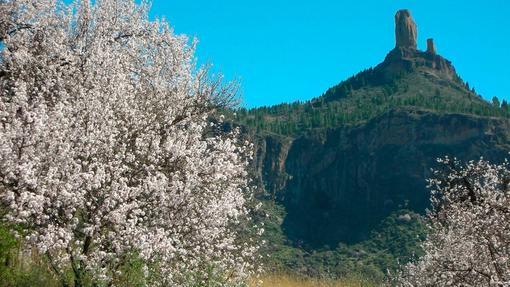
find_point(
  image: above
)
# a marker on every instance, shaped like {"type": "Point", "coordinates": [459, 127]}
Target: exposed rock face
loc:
{"type": "Point", "coordinates": [431, 47]}
{"type": "Point", "coordinates": [402, 59]}
{"type": "Point", "coordinates": [269, 164]}
{"type": "Point", "coordinates": [405, 30]}
{"type": "Point", "coordinates": [337, 184]}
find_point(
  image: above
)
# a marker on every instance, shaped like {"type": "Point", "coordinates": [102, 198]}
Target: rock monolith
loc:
{"type": "Point", "coordinates": [405, 30]}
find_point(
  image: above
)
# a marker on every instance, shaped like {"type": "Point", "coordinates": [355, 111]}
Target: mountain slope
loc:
{"type": "Point", "coordinates": [407, 77]}
{"type": "Point", "coordinates": [333, 168]}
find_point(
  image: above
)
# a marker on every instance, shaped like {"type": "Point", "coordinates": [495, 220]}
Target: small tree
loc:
{"type": "Point", "coordinates": [469, 240]}
{"type": "Point", "coordinates": [504, 105]}
{"type": "Point", "coordinates": [495, 102]}
{"type": "Point", "coordinates": [105, 145]}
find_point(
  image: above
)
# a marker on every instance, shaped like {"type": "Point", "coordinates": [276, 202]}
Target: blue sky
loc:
{"type": "Point", "coordinates": [284, 51]}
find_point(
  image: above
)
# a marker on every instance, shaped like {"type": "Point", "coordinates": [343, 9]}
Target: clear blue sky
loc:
{"type": "Point", "coordinates": [283, 51]}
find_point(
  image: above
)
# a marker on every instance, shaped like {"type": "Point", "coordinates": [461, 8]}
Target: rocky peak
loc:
{"type": "Point", "coordinates": [406, 57]}
{"type": "Point", "coordinates": [431, 47]}
{"type": "Point", "coordinates": [403, 60]}
{"type": "Point", "coordinates": [405, 30]}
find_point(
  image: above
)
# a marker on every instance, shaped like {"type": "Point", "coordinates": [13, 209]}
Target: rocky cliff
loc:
{"type": "Point", "coordinates": [337, 184]}
{"type": "Point", "coordinates": [342, 182]}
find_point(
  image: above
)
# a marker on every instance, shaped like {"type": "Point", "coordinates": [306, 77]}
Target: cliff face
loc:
{"type": "Point", "coordinates": [268, 165]}
{"type": "Point", "coordinates": [337, 184]}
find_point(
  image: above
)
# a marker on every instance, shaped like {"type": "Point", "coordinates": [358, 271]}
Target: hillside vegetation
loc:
{"type": "Point", "coordinates": [369, 94]}
{"type": "Point", "coordinates": [395, 239]}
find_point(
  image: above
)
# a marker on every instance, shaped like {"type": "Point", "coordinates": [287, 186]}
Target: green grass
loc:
{"type": "Point", "coordinates": [292, 280]}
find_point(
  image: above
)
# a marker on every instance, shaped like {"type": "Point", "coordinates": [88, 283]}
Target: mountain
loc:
{"type": "Point", "coordinates": [336, 169]}
{"type": "Point", "coordinates": [406, 77]}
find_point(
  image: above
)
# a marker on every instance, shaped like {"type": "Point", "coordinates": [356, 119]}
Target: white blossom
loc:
{"type": "Point", "coordinates": [469, 240]}
{"type": "Point", "coordinates": [106, 147]}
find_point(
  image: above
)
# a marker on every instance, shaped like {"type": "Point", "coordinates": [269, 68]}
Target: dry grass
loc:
{"type": "Point", "coordinates": [279, 280]}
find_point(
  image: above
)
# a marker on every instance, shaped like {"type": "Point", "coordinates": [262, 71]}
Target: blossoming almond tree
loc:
{"type": "Point", "coordinates": [105, 144]}
{"type": "Point", "coordinates": [469, 243]}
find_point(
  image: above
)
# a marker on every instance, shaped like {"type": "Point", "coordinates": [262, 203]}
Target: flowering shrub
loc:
{"type": "Point", "coordinates": [106, 149]}
{"type": "Point", "coordinates": [469, 240]}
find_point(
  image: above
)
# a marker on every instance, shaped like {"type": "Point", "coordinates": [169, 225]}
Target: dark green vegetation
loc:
{"type": "Point", "coordinates": [395, 238]}
{"type": "Point", "coordinates": [406, 78]}
{"type": "Point", "coordinates": [337, 172]}
{"type": "Point", "coordinates": [15, 268]}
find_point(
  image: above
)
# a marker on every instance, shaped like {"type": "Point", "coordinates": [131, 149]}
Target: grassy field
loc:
{"type": "Point", "coordinates": [279, 280]}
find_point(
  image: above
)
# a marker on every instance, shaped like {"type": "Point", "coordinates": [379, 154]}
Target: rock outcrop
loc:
{"type": "Point", "coordinates": [431, 47]}
{"type": "Point", "coordinates": [405, 30]}
{"type": "Point", "coordinates": [404, 60]}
